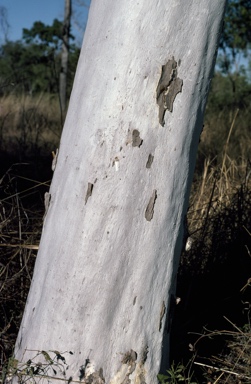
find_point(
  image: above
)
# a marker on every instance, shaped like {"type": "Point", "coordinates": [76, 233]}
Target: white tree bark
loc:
{"type": "Point", "coordinates": [105, 272]}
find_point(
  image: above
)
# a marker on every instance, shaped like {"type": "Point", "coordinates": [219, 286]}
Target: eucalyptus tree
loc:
{"type": "Point", "coordinates": [104, 281]}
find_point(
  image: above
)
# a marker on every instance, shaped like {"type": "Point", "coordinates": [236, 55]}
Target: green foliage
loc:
{"type": "Point", "coordinates": [54, 364]}
{"type": "Point", "coordinates": [26, 66]}
{"type": "Point", "coordinates": [228, 106]}
{"type": "Point", "coordinates": [236, 34]}
{"type": "Point", "coordinates": [45, 34]}
{"type": "Point", "coordinates": [175, 375]}
{"type": "Point", "coordinates": [228, 92]}
{"type": "Point", "coordinates": [33, 64]}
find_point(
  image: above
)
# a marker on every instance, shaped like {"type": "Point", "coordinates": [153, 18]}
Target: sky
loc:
{"type": "Point", "coordinates": [23, 13]}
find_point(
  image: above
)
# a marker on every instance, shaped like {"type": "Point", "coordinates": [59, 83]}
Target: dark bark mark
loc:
{"type": "Point", "coordinates": [150, 206]}
{"type": "Point", "coordinates": [136, 140]}
{"type": "Point", "coordinates": [168, 87]}
{"type": "Point", "coordinates": [129, 357]}
{"type": "Point", "coordinates": [162, 313]}
{"type": "Point", "coordinates": [89, 192]}
{"type": "Point", "coordinates": [149, 161]}
{"type": "Point", "coordinates": [144, 354]}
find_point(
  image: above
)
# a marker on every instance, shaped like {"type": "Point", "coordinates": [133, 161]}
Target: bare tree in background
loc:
{"type": "Point", "coordinates": [4, 25]}
{"type": "Point", "coordinates": [65, 55]}
{"type": "Point", "coordinates": [77, 18]}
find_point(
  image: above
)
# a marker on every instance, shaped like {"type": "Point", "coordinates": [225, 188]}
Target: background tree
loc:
{"type": "Point", "coordinates": [33, 64]}
{"type": "Point", "coordinates": [4, 25]}
{"type": "Point", "coordinates": [65, 55]}
{"type": "Point", "coordinates": [78, 18]}
{"type": "Point", "coordinates": [236, 34]}
{"type": "Point", "coordinates": [235, 42]}
{"type": "Point", "coordinates": [104, 281]}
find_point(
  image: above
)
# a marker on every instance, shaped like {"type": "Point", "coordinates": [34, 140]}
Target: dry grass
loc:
{"type": "Point", "coordinates": [220, 199]}
{"type": "Point", "coordinates": [21, 212]}
{"type": "Point", "coordinates": [233, 365]}
{"type": "Point", "coordinates": [225, 142]}
{"type": "Point", "coordinates": [29, 125]}
{"type": "Point", "coordinates": [214, 279]}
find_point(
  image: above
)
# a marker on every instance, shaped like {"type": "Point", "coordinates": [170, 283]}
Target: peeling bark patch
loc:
{"type": "Point", "coordinates": [150, 206]}
{"type": "Point", "coordinates": [136, 140]}
{"type": "Point", "coordinates": [168, 87]}
{"type": "Point", "coordinates": [149, 161]}
{"type": "Point", "coordinates": [162, 313]}
{"type": "Point", "coordinates": [54, 159]}
{"type": "Point", "coordinates": [140, 373]}
{"type": "Point", "coordinates": [129, 359]}
{"type": "Point", "coordinates": [88, 375]}
{"type": "Point", "coordinates": [95, 378]}
{"type": "Point", "coordinates": [128, 367]}
{"type": "Point", "coordinates": [89, 192]}
{"type": "Point", "coordinates": [141, 377]}
{"type": "Point", "coordinates": [47, 200]}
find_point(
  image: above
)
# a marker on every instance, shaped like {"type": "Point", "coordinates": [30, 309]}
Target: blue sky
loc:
{"type": "Point", "coordinates": [23, 13]}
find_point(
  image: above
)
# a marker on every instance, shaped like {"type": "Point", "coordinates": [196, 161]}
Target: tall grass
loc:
{"type": "Point", "coordinates": [29, 125]}
{"type": "Point", "coordinates": [212, 321]}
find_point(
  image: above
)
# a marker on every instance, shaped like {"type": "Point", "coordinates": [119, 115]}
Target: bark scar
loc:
{"type": "Point", "coordinates": [47, 200]}
{"type": "Point", "coordinates": [136, 139]}
{"type": "Point", "coordinates": [162, 313]}
{"type": "Point", "coordinates": [54, 159]}
{"type": "Point", "coordinates": [150, 206]}
{"type": "Point", "coordinates": [89, 192]}
{"type": "Point", "coordinates": [149, 161]}
{"type": "Point", "coordinates": [168, 87]}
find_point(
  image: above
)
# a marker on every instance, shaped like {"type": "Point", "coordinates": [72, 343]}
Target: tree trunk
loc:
{"type": "Point", "coordinates": [104, 279]}
{"type": "Point", "coordinates": [65, 56]}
